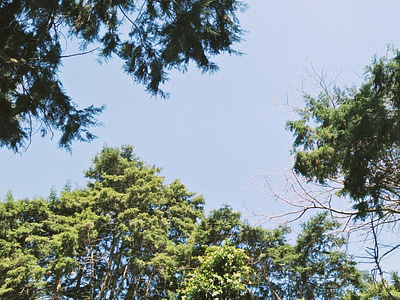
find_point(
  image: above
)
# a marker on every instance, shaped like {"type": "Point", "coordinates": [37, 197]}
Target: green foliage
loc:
{"type": "Point", "coordinates": [23, 249]}
{"type": "Point", "coordinates": [128, 235]}
{"type": "Point", "coordinates": [162, 35]}
{"type": "Point", "coordinates": [221, 225]}
{"type": "Point", "coordinates": [125, 236]}
{"type": "Point", "coordinates": [316, 267]}
{"type": "Point", "coordinates": [321, 269]}
{"type": "Point", "coordinates": [269, 256]}
{"type": "Point", "coordinates": [353, 136]}
{"type": "Point", "coordinates": [222, 274]}
{"type": "Point", "coordinates": [376, 290]}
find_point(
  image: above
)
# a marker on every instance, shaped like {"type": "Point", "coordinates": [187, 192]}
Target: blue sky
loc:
{"type": "Point", "coordinates": [216, 132]}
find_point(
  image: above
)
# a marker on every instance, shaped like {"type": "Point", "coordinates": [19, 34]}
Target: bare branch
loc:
{"type": "Point", "coordinates": [79, 54]}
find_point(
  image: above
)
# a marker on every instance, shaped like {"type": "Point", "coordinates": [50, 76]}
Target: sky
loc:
{"type": "Point", "coordinates": [216, 133]}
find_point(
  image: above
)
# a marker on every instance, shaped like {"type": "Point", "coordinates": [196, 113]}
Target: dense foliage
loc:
{"type": "Point", "coordinates": [352, 137]}
{"type": "Point", "coordinates": [222, 274]}
{"type": "Point", "coordinates": [121, 238]}
{"type": "Point", "coordinates": [376, 290]}
{"type": "Point", "coordinates": [347, 141]}
{"type": "Point", "coordinates": [160, 35]}
{"type": "Point", "coordinates": [128, 235]}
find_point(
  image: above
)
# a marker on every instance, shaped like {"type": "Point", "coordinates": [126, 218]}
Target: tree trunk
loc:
{"type": "Point", "coordinates": [58, 286]}
{"type": "Point", "coordinates": [108, 272]}
{"type": "Point", "coordinates": [78, 282]}
{"type": "Point", "coordinates": [146, 296]}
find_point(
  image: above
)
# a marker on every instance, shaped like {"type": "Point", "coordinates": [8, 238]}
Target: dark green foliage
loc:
{"type": "Point", "coordinates": [376, 290]}
{"type": "Point", "coordinates": [321, 268]}
{"type": "Point", "coordinates": [221, 225]}
{"type": "Point", "coordinates": [269, 256]}
{"type": "Point", "coordinates": [31, 95]}
{"type": "Point", "coordinates": [353, 136]}
{"type": "Point", "coordinates": [316, 267]}
{"type": "Point", "coordinates": [162, 35]}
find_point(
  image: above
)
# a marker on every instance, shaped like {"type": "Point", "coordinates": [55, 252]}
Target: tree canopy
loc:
{"type": "Point", "coordinates": [161, 35]}
{"type": "Point", "coordinates": [129, 235]}
{"type": "Point", "coordinates": [124, 237]}
{"type": "Point", "coordinates": [352, 137]}
{"type": "Point", "coordinates": [347, 141]}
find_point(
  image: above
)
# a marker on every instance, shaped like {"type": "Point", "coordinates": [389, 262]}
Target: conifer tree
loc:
{"type": "Point", "coordinates": [161, 35]}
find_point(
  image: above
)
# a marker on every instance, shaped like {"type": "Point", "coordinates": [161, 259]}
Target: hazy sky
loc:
{"type": "Point", "coordinates": [215, 133]}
